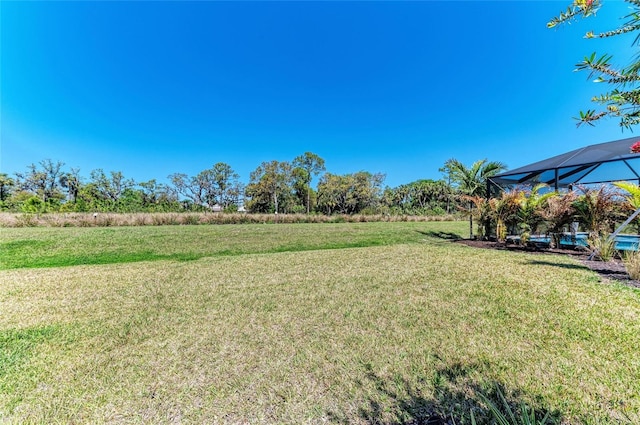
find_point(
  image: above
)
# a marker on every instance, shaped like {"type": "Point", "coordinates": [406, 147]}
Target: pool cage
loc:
{"type": "Point", "coordinates": [601, 163]}
{"type": "Point", "coordinates": [595, 164]}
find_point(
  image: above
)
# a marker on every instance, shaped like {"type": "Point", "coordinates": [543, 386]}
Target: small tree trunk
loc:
{"type": "Point", "coordinates": [470, 222]}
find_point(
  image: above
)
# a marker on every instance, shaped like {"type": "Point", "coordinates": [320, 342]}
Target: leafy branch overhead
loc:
{"type": "Point", "coordinates": [578, 8]}
{"type": "Point", "coordinates": [623, 100]}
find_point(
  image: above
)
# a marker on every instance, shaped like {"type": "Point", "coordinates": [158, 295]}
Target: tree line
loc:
{"type": "Point", "coordinates": [274, 187]}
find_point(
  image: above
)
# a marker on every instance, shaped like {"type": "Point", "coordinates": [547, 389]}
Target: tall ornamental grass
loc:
{"type": "Point", "coordinates": [160, 219]}
{"type": "Point", "coordinates": [631, 262]}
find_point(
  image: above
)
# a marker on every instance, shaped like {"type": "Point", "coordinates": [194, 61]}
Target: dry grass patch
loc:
{"type": "Point", "coordinates": [382, 334]}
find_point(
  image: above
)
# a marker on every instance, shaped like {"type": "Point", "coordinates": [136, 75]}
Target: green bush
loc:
{"type": "Point", "coordinates": [233, 208]}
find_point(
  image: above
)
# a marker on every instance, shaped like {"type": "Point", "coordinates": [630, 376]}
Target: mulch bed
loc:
{"type": "Point", "coordinates": [609, 271]}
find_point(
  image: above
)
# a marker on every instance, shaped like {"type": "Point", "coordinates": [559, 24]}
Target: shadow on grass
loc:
{"type": "Point", "coordinates": [450, 236]}
{"type": "Point", "coordinates": [560, 265]}
{"type": "Point", "coordinates": [454, 397]}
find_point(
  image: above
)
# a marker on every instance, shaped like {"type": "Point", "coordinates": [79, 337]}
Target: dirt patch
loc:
{"type": "Point", "coordinates": [609, 271]}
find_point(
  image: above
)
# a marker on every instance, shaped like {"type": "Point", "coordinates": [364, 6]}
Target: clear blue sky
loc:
{"type": "Point", "coordinates": [154, 88]}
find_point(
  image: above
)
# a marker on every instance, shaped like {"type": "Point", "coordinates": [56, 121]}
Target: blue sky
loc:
{"type": "Point", "coordinates": [154, 88]}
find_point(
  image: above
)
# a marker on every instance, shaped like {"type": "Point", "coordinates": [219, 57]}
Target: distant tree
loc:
{"type": "Point", "coordinates": [419, 197]}
{"type": "Point", "coordinates": [33, 181]}
{"type": "Point", "coordinates": [301, 191]}
{"type": "Point", "coordinates": [196, 189]}
{"type": "Point", "coordinates": [472, 181]}
{"type": "Point", "coordinates": [433, 194]}
{"type": "Point", "coordinates": [72, 182]}
{"type": "Point", "coordinates": [269, 185]}
{"type": "Point", "coordinates": [395, 199]}
{"type": "Point", "coordinates": [167, 199]}
{"type": "Point", "coordinates": [110, 187]}
{"type": "Point", "coordinates": [150, 192]}
{"type": "Point", "coordinates": [7, 184]}
{"type": "Point", "coordinates": [217, 185]}
{"type": "Point", "coordinates": [91, 199]}
{"type": "Point", "coordinates": [446, 171]}
{"type": "Point", "coordinates": [333, 194]}
{"type": "Point", "coordinates": [42, 180]}
{"type": "Point", "coordinates": [350, 193]}
{"type": "Point", "coordinates": [226, 188]}
{"type": "Point", "coordinates": [131, 201]}
{"type": "Point", "coordinates": [624, 100]}
{"type": "Point", "coordinates": [192, 188]}
{"type": "Point", "coordinates": [311, 165]}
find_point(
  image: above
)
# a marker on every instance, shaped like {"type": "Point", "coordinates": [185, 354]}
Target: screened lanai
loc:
{"type": "Point", "coordinates": [600, 163]}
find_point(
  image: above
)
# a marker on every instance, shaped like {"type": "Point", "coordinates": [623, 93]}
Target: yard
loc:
{"type": "Point", "coordinates": [304, 323]}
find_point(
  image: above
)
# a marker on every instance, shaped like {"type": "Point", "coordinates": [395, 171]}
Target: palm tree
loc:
{"type": "Point", "coordinates": [472, 181]}
{"type": "Point", "coordinates": [532, 203]}
{"type": "Point", "coordinates": [633, 193]}
{"type": "Point", "coordinates": [632, 201]}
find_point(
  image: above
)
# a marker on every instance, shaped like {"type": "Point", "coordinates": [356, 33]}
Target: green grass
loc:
{"type": "Point", "coordinates": [388, 332]}
{"type": "Point", "coordinates": [58, 247]}
{"type": "Point", "coordinates": [16, 346]}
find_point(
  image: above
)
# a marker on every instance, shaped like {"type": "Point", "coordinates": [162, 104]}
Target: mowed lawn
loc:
{"type": "Point", "coordinates": [304, 323]}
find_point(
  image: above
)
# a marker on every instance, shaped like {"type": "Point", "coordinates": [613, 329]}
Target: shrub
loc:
{"type": "Point", "coordinates": [525, 234]}
{"type": "Point", "coordinates": [557, 211]}
{"type": "Point", "coordinates": [602, 247]}
{"type": "Point", "coordinates": [501, 231]}
{"type": "Point", "coordinates": [598, 209]}
{"type": "Point", "coordinates": [631, 262]}
{"type": "Point", "coordinates": [233, 208]}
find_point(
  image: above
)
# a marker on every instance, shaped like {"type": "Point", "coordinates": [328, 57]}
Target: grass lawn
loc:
{"type": "Point", "coordinates": [303, 323]}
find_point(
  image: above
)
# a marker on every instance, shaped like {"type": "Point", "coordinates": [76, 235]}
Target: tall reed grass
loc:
{"type": "Point", "coordinates": [160, 219]}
